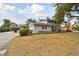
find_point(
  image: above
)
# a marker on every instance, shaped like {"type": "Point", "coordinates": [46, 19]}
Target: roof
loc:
{"type": "Point", "coordinates": [12, 23]}
{"type": "Point", "coordinates": [46, 20]}
{"type": "Point", "coordinates": [42, 20]}
{"type": "Point", "coordinates": [40, 24]}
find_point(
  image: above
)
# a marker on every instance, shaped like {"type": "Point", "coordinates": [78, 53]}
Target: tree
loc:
{"type": "Point", "coordinates": [31, 20]}
{"type": "Point", "coordinates": [6, 21]}
{"type": "Point", "coordinates": [6, 25]}
{"type": "Point", "coordinates": [61, 9]}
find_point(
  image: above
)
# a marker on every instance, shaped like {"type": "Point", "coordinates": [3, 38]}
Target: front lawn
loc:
{"type": "Point", "coordinates": [45, 45]}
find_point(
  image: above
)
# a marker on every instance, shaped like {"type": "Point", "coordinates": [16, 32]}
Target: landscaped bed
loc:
{"type": "Point", "coordinates": [45, 44]}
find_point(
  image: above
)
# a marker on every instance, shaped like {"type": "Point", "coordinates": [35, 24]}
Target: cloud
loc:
{"type": "Point", "coordinates": [21, 11]}
{"type": "Point", "coordinates": [26, 10]}
{"type": "Point", "coordinates": [38, 10]}
{"type": "Point", "coordinates": [16, 20]}
{"type": "Point", "coordinates": [41, 15]}
{"type": "Point", "coordinates": [4, 8]}
{"type": "Point", "coordinates": [35, 9]}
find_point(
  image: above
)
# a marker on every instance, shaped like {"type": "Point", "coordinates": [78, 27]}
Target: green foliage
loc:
{"type": "Point", "coordinates": [1, 30]}
{"type": "Point", "coordinates": [6, 21]}
{"type": "Point", "coordinates": [77, 27]}
{"type": "Point", "coordinates": [61, 9]}
{"type": "Point", "coordinates": [6, 25]}
{"type": "Point", "coordinates": [31, 21]}
{"type": "Point", "coordinates": [23, 31]}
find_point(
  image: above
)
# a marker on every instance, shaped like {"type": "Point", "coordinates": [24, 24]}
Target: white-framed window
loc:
{"type": "Point", "coordinates": [44, 27]}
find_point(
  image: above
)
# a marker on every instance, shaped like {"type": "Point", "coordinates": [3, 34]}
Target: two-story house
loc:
{"type": "Point", "coordinates": [43, 25]}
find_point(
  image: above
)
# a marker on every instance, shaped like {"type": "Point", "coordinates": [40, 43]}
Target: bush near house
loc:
{"type": "Point", "coordinates": [76, 28]}
{"type": "Point", "coordinates": [24, 31]}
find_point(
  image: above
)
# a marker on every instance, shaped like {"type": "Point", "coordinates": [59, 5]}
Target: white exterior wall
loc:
{"type": "Point", "coordinates": [74, 20]}
{"type": "Point", "coordinates": [39, 28]}
{"type": "Point", "coordinates": [31, 27]}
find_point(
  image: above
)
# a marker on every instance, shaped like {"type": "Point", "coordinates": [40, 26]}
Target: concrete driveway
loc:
{"type": "Point", "coordinates": [5, 39]}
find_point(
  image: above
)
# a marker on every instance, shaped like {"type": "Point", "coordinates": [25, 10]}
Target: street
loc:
{"type": "Point", "coordinates": [5, 39]}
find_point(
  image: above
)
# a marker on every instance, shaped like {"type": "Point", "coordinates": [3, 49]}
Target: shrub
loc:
{"type": "Point", "coordinates": [23, 31]}
{"type": "Point", "coordinates": [76, 28]}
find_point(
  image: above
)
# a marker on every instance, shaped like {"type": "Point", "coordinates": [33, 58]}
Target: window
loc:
{"type": "Point", "coordinates": [44, 27]}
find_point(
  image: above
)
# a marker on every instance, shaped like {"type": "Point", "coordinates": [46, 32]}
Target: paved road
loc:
{"type": "Point", "coordinates": [5, 39]}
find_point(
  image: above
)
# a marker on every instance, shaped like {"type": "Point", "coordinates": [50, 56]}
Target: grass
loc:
{"type": "Point", "coordinates": [57, 44]}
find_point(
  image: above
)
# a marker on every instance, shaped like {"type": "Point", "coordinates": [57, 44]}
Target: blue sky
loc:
{"type": "Point", "coordinates": [20, 12]}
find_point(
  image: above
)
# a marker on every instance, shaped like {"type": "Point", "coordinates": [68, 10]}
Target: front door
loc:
{"type": "Point", "coordinates": [52, 29]}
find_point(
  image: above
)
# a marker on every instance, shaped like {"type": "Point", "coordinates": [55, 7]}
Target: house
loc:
{"type": "Point", "coordinates": [71, 18]}
{"type": "Point", "coordinates": [13, 25]}
{"type": "Point", "coordinates": [43, 25]}
{"type": "Point", "coordinates": [73, 15]}
{"type": "Point", "coordinates": [22, 25]}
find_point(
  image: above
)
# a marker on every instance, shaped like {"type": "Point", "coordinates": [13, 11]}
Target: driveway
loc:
{"type": "Point", "coordinates": [5, 39]}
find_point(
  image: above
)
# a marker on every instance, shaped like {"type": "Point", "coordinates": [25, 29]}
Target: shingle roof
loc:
{"type": "Point", "coordinates": [40, 24]}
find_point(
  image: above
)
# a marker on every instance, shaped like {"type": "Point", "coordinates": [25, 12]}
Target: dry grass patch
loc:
{"type": "Point", "coordinates": [45, 45]}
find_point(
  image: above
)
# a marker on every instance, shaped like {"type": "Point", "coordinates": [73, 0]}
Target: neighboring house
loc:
{"type": "Point", "coordinates": [13, 25]}
{"type": "Point", "coordinates": [43, 26]}
{"type": "Point", "coordinates": [22, 25]}
{"type": "Point", "coordinates": [71, 17]}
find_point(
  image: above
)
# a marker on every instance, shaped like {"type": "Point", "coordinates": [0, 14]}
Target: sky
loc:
{"type": "Point", "coordinates": [20, 12]}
